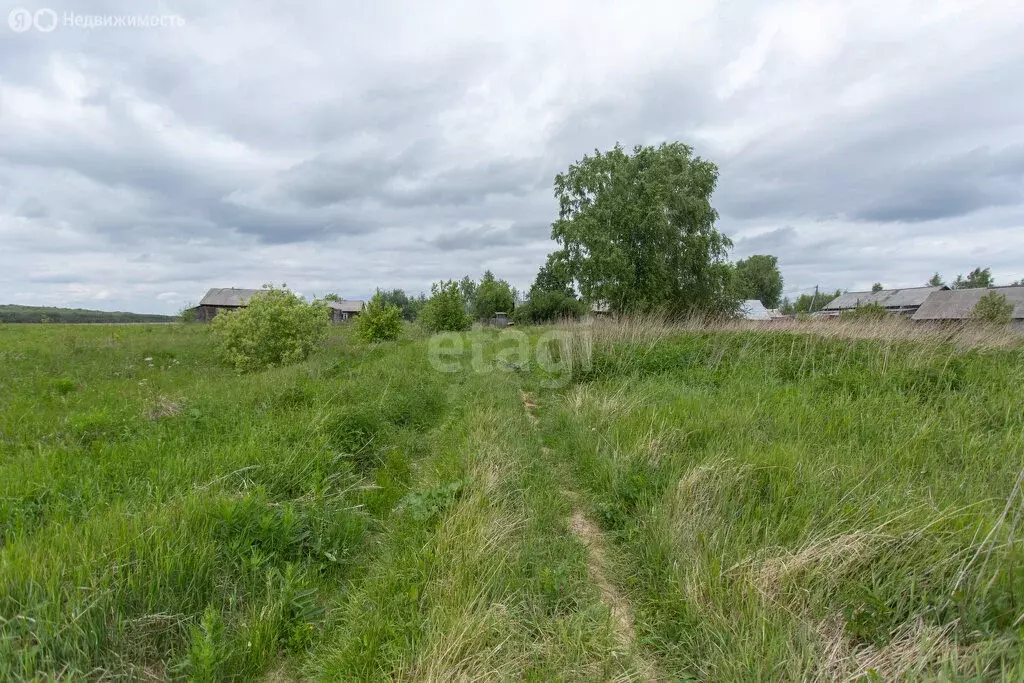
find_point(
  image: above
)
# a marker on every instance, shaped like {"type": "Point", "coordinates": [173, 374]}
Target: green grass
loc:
{"type": "Point", "coordinates": [775, 506]}
{"type": "Point", "coordinates": [797, 508]}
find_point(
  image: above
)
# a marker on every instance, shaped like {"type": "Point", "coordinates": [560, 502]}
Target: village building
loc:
{"type": "Point", "coordinates": [753, 309]}
{"type": "Point", "coordinates": [344, 309]}
{"type": "Point", "coordinates": [958, 304]}
{"type": "Point", "coordinates": [221, 299]}
{"type": "Point", "coordinates": [904, 301]}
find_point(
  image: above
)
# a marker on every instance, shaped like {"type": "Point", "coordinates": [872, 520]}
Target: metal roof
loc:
{"type": "Point", "coordinates": [228, 296]}
{"type": "Point", "coordinates": [887, 298]}
{"type": "Point", "coordinates": [958, 304]}
{"type": "Point", "coordinates": [347, 305]}
{"type": "Point", "coordinates": [752, 309]}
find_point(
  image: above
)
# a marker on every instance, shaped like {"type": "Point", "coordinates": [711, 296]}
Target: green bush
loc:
{"type": "Point", "coordinates": [379, 321]}
{"type": "Point", "coordinates": [276, 328]}
{"type": "Point", "coordinates": [547, 307]}
{"type": "Point", "coordinates": [445, 310]}
{"type": "Point", "coordinates": [872, 311]}
{"type": "Point", "coordinates": [493, 296]}
{"type": "Point", "coordinates": [993, 308]}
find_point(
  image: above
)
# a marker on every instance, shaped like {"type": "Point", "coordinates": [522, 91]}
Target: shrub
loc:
{"type": "Point", "coordinates": [379, 321]}
{"type": "Point", "coordinates": [872, 311]}
{"type": "Point", "coordinates": [993, 308]}
{"type": "Point", "coordinates": [276, 328]}
{"type": "Point", "coordinates": [547, 307]}
{"type": "Point", "coordinates": [493, 296]}
{"type": "Point", "coordinates": [445, 310]}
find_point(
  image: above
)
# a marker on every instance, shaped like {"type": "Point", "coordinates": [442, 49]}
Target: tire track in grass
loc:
{"type": "Point", "coordinates": [597, 567]}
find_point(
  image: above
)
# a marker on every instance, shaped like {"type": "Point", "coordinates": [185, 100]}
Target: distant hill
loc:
{"type": "Point", "coordinates": [10, 313]}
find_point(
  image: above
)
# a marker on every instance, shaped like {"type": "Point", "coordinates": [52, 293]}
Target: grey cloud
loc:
{"type": "Point", "coordinates": [467, 239]}
{"type": "Point", "coordinates": [767, 242]}
{"type": "Point", "coordinates": [336, 146]}
{"type": "Point", "coordinates": [915, 158]}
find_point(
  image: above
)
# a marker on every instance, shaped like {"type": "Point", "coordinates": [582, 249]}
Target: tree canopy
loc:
{"type": "Point", "coordinates": [445, 310]}
{"type": "Point", "coordinates": [758, 277]}
{"type": "Point", "coordinates": [491, 296]}
{"type": "Point", "coordinates": [976, 279]}
{"type": "Point", "coordinates": [409, 306]}
{"type": "Point", "coordinates": [638, 230]}
{"type": "Point", "coordinates": [809, 303]}
{"type": "Point", "coordinates": [554, 276]}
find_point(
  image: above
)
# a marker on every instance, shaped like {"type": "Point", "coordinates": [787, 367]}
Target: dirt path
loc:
{"type": "Point", "coordinates": [622, 613]}
{"type": "Point", "coordinates": [597, 567]}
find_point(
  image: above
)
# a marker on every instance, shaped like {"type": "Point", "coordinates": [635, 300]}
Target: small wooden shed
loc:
{"type": "Point", "coordinates": [345, 309]}
{"type": "Point", "coordinates": [223, 299]}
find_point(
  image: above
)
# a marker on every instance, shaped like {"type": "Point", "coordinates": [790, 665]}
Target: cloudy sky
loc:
{"type": "Point", "coordinates": [342, 146]}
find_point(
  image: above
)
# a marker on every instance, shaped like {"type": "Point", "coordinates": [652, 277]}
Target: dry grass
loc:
{"type": "Point", "coordinates": [640, 330]}
{"type": "Point", "coordinates": [163, 407]}
{"type": "Point", "coordinates": [692, 507]}
{"type": "Point", "coordinates": [608, 405]}
{"type": "Point", "coordinates": [828, 557]}
{"type": "Point", "coordinates": [915, 649]}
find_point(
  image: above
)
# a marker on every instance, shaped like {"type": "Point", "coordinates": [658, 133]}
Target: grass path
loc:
{"type": "Point", "coordinates": [478, 576]}
{"type": "Point", "coordinates": [592, 538]}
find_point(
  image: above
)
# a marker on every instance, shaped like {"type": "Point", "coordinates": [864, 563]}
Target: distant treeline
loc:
{"type": "Point", "coordinates": [44, 314]}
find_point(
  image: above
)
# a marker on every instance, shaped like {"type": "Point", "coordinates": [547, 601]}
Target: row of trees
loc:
{"type": "Point", "coordinates": [10, 313]}
{"type": "Point", "coordinates": [479, 300]}
{"type": "Point", "coordinates": [451, 306]}
{"type": "Point", "coordinates": [976, 279]}
{"type": "Point", "coordinates": [636, 232]}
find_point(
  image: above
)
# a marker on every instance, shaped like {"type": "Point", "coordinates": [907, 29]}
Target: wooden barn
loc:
{"type": "Point", "coordinates": [958, 304]}
{"type": "Point", "coordinates": [343, 310]}
{"type": "Point", "coordinates": [904, 301]}
{"type": "Point", "coordinates": [231, 299]}
{"type": "Point", "coordinates": [223, 299]}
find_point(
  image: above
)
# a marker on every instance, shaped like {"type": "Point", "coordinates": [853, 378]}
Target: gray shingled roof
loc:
{"type": "Point", "coordinates": [908, 297]}
{"type": "Point", "coordinates": [228, 296]}
{"type": "Point", "coordinates": [957, 304]}
{"type": "Point", "coordinates": [752, 309]}
{"type": "Point", "coordinates": [347, 305]}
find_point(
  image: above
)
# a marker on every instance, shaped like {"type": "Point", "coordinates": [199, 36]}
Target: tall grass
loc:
{"type": "Point", "coordinates": [817, 503]}
{"type": "Point", "coordinates": [638, 330]}
{"type": "Point", "coordinates": [829, 503]}
{"type": "Point", "coordinates": [356, 516]}
{"type": "Point", "coordinates": [161, 516]}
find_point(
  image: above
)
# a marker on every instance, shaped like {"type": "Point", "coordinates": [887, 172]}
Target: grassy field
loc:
{"type": "Point", "coordinates": [675, 503]}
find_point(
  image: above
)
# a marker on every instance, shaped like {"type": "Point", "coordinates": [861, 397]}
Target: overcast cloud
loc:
{"type": "Point", "coordinates": [343, 146]}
